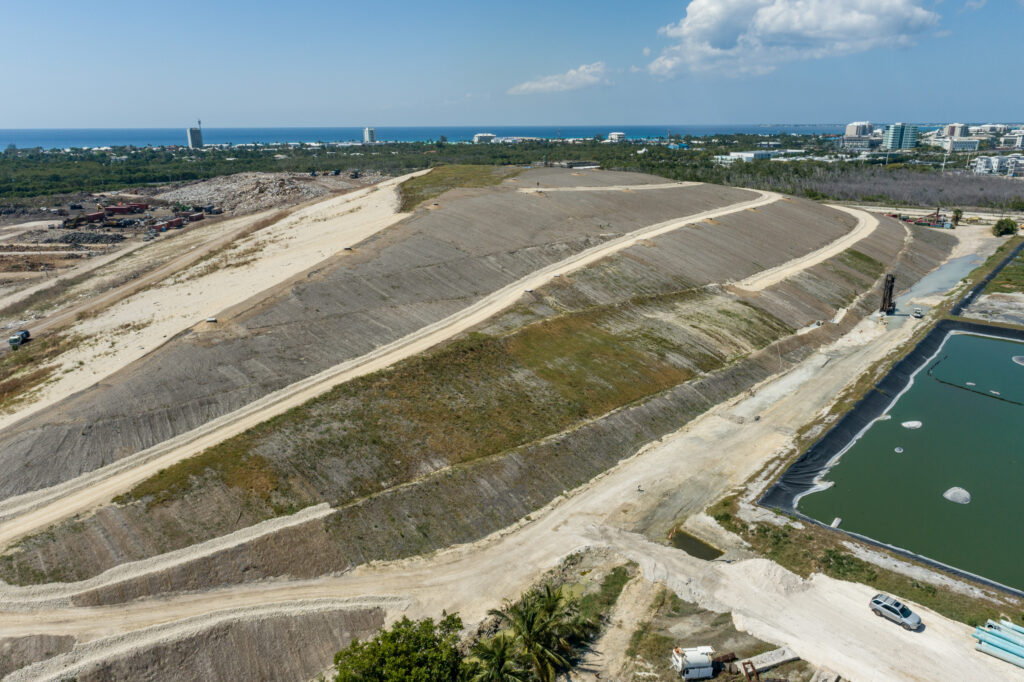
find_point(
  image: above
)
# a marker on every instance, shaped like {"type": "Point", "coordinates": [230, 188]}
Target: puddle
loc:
{"type": "Point", "coordinates": [939, 281]}
{"type": "Point", "coordinates": [695, 547]}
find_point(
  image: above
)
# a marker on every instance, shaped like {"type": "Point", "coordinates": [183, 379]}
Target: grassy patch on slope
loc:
{"type": "Point", "coordinates": [862, 263]}
{"type": "Point", "coordinates": [1010, 279]}
{"type": "Point", "coordinates": [478, 396]}
{"type": "Point", "coordinates": [26, 368]}
{"type": "Point", "coordinates": [443, 178]}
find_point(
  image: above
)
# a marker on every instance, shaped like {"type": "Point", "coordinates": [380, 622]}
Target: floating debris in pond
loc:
{"type": "Point", "coordinates": [898, 451]}
{"type": "Point", "coordinates": [995, 392]}
{"type": "Point", "coordinates": [911, 424]}
{"type": "Point", "coordinates": [885, 418]}
{"type": "Point", "coordinates": [958, 495]}
{"type": "Point", "coordinates": [971, 383]}
{"type": "Point", "coordinates": [1019, 359]}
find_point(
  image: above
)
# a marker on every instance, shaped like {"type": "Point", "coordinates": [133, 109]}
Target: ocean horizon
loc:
{"type": "Point", "coordinates": [63, 138]}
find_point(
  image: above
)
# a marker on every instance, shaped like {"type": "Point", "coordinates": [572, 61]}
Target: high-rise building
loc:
{"type": "Point", "coordinates": [195, 138]}
{"type": "Point", "coordinates": [369, 135]}
{"type": "Point", "coordinates": [957, 130]}
{"type": "Point", "coordinates": [483, 138]}
{"type": "Point", "coordinates": [859, 129]}
{"type": "Point", "coordinates": [899, 136]}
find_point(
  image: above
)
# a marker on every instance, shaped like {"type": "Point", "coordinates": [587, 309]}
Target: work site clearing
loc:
{"type": "Point", "coordinates": [278, 431]}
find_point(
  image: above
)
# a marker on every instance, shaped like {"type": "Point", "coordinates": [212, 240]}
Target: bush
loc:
{"type": "Point", "coordinates": [417, 651]}
{"type": "Point", "coordinates": [1004, 227]}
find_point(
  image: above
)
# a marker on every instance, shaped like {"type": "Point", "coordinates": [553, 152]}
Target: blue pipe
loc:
{"type": "Point", "coordinates": [1007, 633]}
{"type": "Point", "coordinates": [1015, 628]}
{"type": "Point", "coordinates": [993, 638]}
{"type": "Point", "coordinates": [1000, 654]}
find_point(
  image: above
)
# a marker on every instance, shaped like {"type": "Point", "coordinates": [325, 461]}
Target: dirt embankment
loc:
{"type": "Point", "coordinates": [283, 643]}
{"type": "Point", "coordinates": [18, 652]}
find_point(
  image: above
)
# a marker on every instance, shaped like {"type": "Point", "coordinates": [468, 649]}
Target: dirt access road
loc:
{"type": "Point", "coordinates": [25, 514]}
{"type": "Point", "coordinates": [825, 621]}
{"type": "Point", "coordinates": [608, 188]}
{"type": "Point", "coordinates": [866, 224]}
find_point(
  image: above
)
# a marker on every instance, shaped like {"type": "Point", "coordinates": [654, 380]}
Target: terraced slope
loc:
{"type": "Point", "coordinates": [418, 272]}
{"type": "Point", "coordinates": [459, 443]}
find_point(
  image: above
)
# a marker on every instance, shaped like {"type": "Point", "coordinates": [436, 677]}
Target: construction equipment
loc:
{"type": "Point", "coordinates": [888, 305]}
{"type": "Point", "coordinates": [694, 663]}
{"type": "Point", "coordinates": [19, 338]}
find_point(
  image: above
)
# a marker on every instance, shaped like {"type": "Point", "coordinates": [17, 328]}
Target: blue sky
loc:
{"type": "Point", "coordinates": [311, 63]}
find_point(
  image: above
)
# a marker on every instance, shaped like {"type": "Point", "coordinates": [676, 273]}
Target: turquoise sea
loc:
{"type": "Point", "coordinates": [156, 137]}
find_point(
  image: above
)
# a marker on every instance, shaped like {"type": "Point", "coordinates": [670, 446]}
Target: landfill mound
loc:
{"type": "Point", "coordinates": [247, 192]}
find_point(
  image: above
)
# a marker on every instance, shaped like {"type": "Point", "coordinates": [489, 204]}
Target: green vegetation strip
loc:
{"type": "Point", "coordinates": [814, 549]}
{"type": "Point", "coordinates": [443, 178]}
{"type": "Point", "coordinates": [1011, 279]}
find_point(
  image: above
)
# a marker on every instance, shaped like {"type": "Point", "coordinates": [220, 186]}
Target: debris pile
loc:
{"type": "Point", "coordinates": [247, 192]}
{"type": "Point", "coordinates": [76, 238]}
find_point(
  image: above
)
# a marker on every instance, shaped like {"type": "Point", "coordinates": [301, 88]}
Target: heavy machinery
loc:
{"type": "Point", "coordinates": [19, 338]}
{"type": "Point", "coordinates": [888, 304]}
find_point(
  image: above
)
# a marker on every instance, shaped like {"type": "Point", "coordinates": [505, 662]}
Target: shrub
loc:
{"type": "Point", "coordinates": [1004, 227]}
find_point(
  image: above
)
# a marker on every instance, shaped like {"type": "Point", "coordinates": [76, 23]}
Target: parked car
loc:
{"type": "Point", "coordinates": [887, 607]}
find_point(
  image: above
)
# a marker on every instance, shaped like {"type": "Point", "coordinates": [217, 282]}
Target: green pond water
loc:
{"type": "Point", "coordinates": [970, 437]}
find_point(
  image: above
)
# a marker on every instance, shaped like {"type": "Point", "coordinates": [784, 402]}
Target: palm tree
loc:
{"type": "Point", "coordinates": [569, 626]}
{"type": "Point", "coordinates": [495, 660]}
{"type": "Point", "coordinates": [534, 637]}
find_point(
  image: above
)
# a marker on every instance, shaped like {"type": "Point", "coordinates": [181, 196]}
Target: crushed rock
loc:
{"type": "Point", "coordinates": [248, 192]}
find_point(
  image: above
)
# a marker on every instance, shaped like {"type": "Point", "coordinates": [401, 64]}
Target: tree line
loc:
{"type": "Point", "coordinates": [905, 180]}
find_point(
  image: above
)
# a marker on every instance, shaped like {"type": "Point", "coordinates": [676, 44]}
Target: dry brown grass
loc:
{"type": "Point", "coordinates": [26, 368]}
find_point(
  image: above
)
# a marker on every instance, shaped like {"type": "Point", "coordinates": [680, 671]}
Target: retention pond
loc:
{"type": "Point", "coordinates": [952, 419]}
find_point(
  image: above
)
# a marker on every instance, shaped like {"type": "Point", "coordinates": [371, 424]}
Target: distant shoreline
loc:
{"type": "Point", "coordinates": [64, 138]}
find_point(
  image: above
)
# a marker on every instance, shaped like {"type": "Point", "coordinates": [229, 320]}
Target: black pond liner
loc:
{"type": "Point", "coordinates": [800, 477]}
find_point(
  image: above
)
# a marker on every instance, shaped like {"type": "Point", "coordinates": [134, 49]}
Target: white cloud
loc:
{"type": "Point", "coordinates": [755, 36]}
{"type": "Point", "coordinates": [974, 4]}
{"type": "Point", "coordinates": [647, 52]}
{"type": "Point", "coordinates": [573, 79]}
